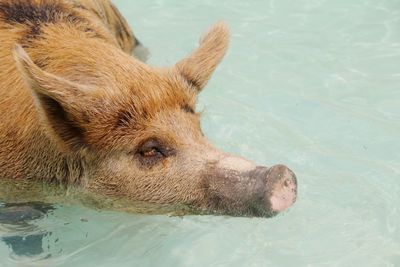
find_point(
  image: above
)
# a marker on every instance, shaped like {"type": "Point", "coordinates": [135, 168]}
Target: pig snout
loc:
{"type": "Point", "coordinates": [280, 187]}
{"type": "Point", "coordinates": [241, 188]}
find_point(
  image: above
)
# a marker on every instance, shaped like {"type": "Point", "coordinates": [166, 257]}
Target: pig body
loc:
{"type": "Point", "coordinates": [77, 109]}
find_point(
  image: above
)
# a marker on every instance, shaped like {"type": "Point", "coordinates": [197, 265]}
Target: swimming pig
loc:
{"type": "Point", "coordinates": [77, 109]}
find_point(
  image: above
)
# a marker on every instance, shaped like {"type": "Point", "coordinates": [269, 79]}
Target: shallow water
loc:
{"type": "Point", "coordinates": [313, 84]}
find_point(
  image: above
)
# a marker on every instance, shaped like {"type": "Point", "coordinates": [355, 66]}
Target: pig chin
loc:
{"type": "Point", "coordinates": [236, 186]}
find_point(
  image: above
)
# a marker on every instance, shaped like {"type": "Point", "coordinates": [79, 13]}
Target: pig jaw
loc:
{"type": "Point", "coordinates": [236, 186]}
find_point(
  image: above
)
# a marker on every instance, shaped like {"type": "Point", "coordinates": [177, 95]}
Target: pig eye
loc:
{"type": "Point", "coordinates": [151, 151]}
{"type": "Point", "coordinates": [150, 148]}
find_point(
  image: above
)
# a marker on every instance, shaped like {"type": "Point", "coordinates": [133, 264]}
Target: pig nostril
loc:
{"type": "Point", "coordinates": [281, 191]}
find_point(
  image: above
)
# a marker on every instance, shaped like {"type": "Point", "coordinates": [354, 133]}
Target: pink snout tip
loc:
{"type": "Point", "coordinates": [283, 188]}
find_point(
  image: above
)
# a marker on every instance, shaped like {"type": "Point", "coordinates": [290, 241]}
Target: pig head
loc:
{"type": "Point", "coordinates": [119, 127]}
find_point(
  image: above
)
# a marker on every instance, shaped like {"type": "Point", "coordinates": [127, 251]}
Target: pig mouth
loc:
{"type": "Point", "coordinates": [259, 192]}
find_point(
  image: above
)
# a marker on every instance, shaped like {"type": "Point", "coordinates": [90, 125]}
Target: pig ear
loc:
{"type": "Point", "coordinates": [198, 67]}
{"type": "Point", "coordinates": [57, 101]}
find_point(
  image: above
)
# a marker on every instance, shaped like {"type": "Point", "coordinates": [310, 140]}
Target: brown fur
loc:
{"type": "Point", "coordinates": [112, 19]}
{"type": "Point", "coordinates": [76, 109]}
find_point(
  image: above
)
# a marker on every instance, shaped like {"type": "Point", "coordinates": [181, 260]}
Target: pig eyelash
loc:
{"type": "Point", "coordinates": [151, 152]}
{"type": "Point", "coordinates": [150, 148]}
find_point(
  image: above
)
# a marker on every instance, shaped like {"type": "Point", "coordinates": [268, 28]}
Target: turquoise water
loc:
{"type": "Point", "coordinates": [313, 84]}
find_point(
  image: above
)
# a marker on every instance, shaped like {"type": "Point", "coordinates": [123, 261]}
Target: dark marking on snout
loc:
{"type": "Point", "coordinates": [236, 193]}
{"type": "Point", "coordinates": [260, 191]}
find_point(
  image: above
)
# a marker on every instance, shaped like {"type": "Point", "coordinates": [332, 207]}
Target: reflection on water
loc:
{"type": "Point", "coordinates": [22, 211]}
{"type": "Point", "coordinates": [18, 231]}
{"type": "Point", "coordinates": [48, 225]}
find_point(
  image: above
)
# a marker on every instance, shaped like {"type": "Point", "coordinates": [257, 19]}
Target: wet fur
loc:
{"type": "Point", "coordinates": [75, 106]}
{"type": "Point", "coordinates": [31, 23]}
